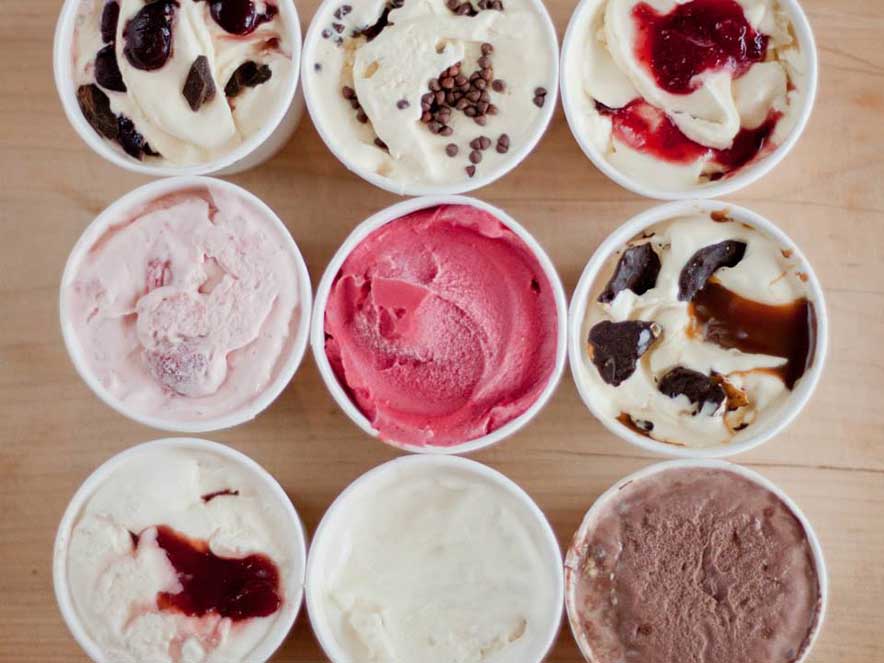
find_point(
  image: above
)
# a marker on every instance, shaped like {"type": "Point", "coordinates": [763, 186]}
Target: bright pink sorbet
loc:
{"type": "Point", "coordinates": [442, 325]}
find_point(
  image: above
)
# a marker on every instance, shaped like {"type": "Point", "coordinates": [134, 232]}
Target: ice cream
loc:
{"type": "Point", "coordinates": [182, 82]}
{"type": "Point", "coordinates": [436, 563]}
{"type": "Point", "coordinates": [186, 308]}
{"type": "Point", "coordinates": [675, 95]}
{"type": "Point", "coordinates": [442, 326]}
{"type": "Point", "coordinates": [693, 564]}
{"type": "Point", "coordinates": [696, 330]}
{"type": "Point", "coordinates": [424, 92]}
{"type": "Point", "coordinates": [182, 556]}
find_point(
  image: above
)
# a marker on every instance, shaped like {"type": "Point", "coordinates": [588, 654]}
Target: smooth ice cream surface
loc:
{"type": "Point", "coordinates": [677, 94]}
{"type": "Point", "coordinates": [186, 309]}
{"type": "Point", "coordinates": [437, 565]}
{"type": "Point", "coordinates": [407, 90]}
{"type": "Point", "coordinates": [181, 82]}
{"type": "Point", "coordinates": [182, 556]}
{"type": "Point", "coordinates": [697, 330]}
{"type": "Point", "coordinates": [693, 566]}
{"type": "Point", "coordinates": [442, 326]}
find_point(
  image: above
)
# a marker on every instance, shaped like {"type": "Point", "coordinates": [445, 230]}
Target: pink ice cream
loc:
{"type": "Point", "coordinates": [187, 309]}
{"type": "Point", "coordinates": [441, 325]}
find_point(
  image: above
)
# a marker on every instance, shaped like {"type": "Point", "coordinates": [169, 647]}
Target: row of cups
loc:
{"type": "Point", "coordinates": [281, 125]}
{"type": "Point", "coordinates": [308, 572]}
{"type": "Point", "coordinates": [569, 342]}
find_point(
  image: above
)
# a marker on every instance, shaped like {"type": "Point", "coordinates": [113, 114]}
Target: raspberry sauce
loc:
{"type": "Point", "coordinates": [237, 588]}
{"type": "Point", "coordinates": [694, 37]}
{"type": "Point", "coordinates": [648, 129]}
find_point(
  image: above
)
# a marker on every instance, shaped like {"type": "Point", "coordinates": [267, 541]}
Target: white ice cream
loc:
{"type": "Point", "coordinates": [601, 65]}
{"type": "Point", "coordinates": [114, 585]}
{"type": "Point", "coordinates": [767, 274]}
{"type": "Point", "coordinates": [154, 100]}
{"type": "Point", "coordinates": [423, 39]}
{"type": "Point", "coordinates": [437, 565]}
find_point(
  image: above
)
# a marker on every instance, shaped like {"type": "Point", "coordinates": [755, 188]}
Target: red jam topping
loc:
{"type": "Point", "coordinates": [648, 129]}
{"type": "Point", "coordinates": [694, 37]}
{"type": "Point", "coordinates": [237, 588]}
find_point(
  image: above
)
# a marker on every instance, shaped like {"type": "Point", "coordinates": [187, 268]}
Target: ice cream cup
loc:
{"type": "Point", "coordinates": [571, 560]}
{"type": "Point", "coordinates": [117, 211]}
{"type": "Point", "coordinates": [257, 149]}
{"type": "Point", "coordinates": [63, 597]}
{"type": "Point", "coordinates": [314, 36]}
{"type": "Point", "coordinates": [748, 174]}
{"type": "Point", "coordinates": [317, 331]}
{"type": "Point", "coordinates": [323, 552]}
{"type": "Point", "coordinates": [772, 421]}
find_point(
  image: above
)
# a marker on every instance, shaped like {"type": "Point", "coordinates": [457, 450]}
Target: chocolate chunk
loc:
{"type": "Point", "coordinates": [110, 16]}
{"type": "Point", "coordinates": [637, 270]}
{"type": "Point", "coordinates": [248, 74]}
{"type": "Point", "coordinates": [699, 388]}
{"type": "Point", "coordinates": [704, 263]}
{"type": "Point", "coordinates": [107, 71]}
{"type": "Point", "coordinates": [131, 141]}
{"type": "Point", "coordinates": [199, 86]}
{"type": "Point", "coordinates": [616, 347]}
{"type": "Point", "coordinates": [96, 109]}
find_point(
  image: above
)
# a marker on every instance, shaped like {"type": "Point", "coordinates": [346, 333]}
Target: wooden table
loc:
{"type": "Point", "coordinates": [827, 195]}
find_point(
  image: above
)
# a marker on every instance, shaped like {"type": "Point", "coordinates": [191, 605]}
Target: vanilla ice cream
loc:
{"type": "Point", "coordinates": [182, 82]}
{"type": "Point", "coordinates": [186, 308]}
{"type": "Point", "coordinates": [695, 330]}
{"type": "Point", "coordinates": [424, 92]}
{"type": "Point", "coordinates": [677, 94]}
{"type": "Point", "coordinates": [182, 555]}
{"type": "Point", "coordinates": [434, 560]}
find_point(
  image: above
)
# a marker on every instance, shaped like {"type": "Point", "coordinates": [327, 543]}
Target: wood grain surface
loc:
{"type": "Point", "coordinates": [828, 195]}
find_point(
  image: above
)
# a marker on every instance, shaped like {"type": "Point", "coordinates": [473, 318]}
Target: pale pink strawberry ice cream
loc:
{"type": "Point", "coordinates": [186, 309]}
{"type": "Point", "coordinates": [441, 325]}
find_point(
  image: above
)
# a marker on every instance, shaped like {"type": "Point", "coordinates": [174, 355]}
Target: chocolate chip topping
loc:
{"type": "Point", "coordinates": [637, 270]}
{"type": "Point", "coordinates": [248, 74]}
{"type": "Point", "coordinates": [703, 264]}
{"type": "Point", "coordinates": [616, 347]}
{"type": "Point", "coordinates": [95, 106]}
{"type": "Point", "coordinates": [199, 87]}
{"type": "Point", "coordinates": [699, 388]}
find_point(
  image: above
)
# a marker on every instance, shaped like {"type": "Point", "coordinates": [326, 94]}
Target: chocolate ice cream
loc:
{"type": "Point", "coordinates": [693, 565]}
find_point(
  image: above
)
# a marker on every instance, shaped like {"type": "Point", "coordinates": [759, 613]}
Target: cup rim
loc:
{"type": "Point", "coordinates": [276, 636]}
{"type": "Point", "coordinates": [796, 400]}
{"type": "Point", "coordinates": [62, 74]}
{"type": "Point", "coordinates": [363, 230]}
{"type": "Point", "coordinates": [313, 37]}
{"type": "Point", "coordinates": [313, 581]}
{"type": "Point", "coordinates": [748, 175]}
{"type": "Point", "coordinates": [117, 210]}
{"type": "Point", "coordinates": [701, 463]}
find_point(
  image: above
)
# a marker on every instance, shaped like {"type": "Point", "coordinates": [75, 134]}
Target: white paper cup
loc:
{"type": "Point", "coordinates": [116, 212]}
{"type": "Point", "coordinates": [326, 548]}
{"type": "Point", "coordinates": [572, 560]}
{"type": "Point", "coordinates": [259, 147]}
{"type": "Point", "coordinates": [363, 230]}
{"type": "Point", "coordinates": [748, 174]}
{"type": "Point", "coordinates": [294, 593]}
{"type": "Point", "coordinates": [483, 177]}
{"type": "Point", "coordinates": [772, 421]}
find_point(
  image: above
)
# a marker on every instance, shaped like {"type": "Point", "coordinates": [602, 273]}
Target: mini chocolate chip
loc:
{"type": "Point", "coordinates": [504, 140]}
{"type": "Point", "coordinates": [451, 150]}
{"type": "Point", "coordinates": [381, 144]}
{"type": "Point", "coordinates": [474, 95]}
{"type": "Point", "coordinates": [346, 9]}
{"type": "Point", "coordinates": [482, 107]}
{"type": "Point", "coordinates": [426, 117]}
{"type": "Point", "coordinates": [484, 62]}
{"type": "Point", "coordinates": [481, 84]}
{"type": "Point", "coordinates": [492, 110]}
{"type": "Point", "coordinates": [199, 87]}
{"type": "Point", "coordinates": [361, 117]}
{"type": "Point", "coordinates": [348, 92]}
{"type": "Point", "coordinates": [487, 49]}
{"type": "Point", "coordinates": [447, 83]}
{"type": "Point", "coordinates": [454, 70]}
{"type": "Point", "coordinates": [428, 98]}
{"type": "Point", "coordinates": [540, 92]}
{"type": "Point", "coordinates": [339, 27]}
{"type": "Point", "coordinates": [434, 85]}
{"type": "Point", "coordinates": [484, 96]}
{"type": "Point", "coordinates": [502, 149]}
{"type": "Point", "coordinates": [338, 13]}
{"type": "Point", "coordinates": [475, 156]}
{"type": "Point", "coordinates": [446, 131]}
{"type": "Point", "coordinates": [434, 126]}
{"type": "Point", "coordinates": [539, 101]}
{"type": "Point", "coordinates": [471, 170]}
{"type": "Point", "coordinates": [95, 106]}
{"type": "Point", "coordinates": [317, 66]}
{"type": "Point", "coordinates": [460, 80]}
{"type": "Point", "coordinates": [354, 104]}
{"type": "Point", "coordinates": [484, 142]}
{"type": "Point", "coordinates": [487, 74]}
{"type": "Point", "coordinates": [402, 104]}
{"type": "Point", "coordinates": [481, 120]}
{"type": "Point", "coordinates": [326, 33]}
{"type": "Point", "coordinates": [462, 103]}
{"type": "Point", "coordinates": [440, 97]}
{"type": "Point", "coordinates": [498, 85]}
{"type": "Point", "coordinates": [470, 111]}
